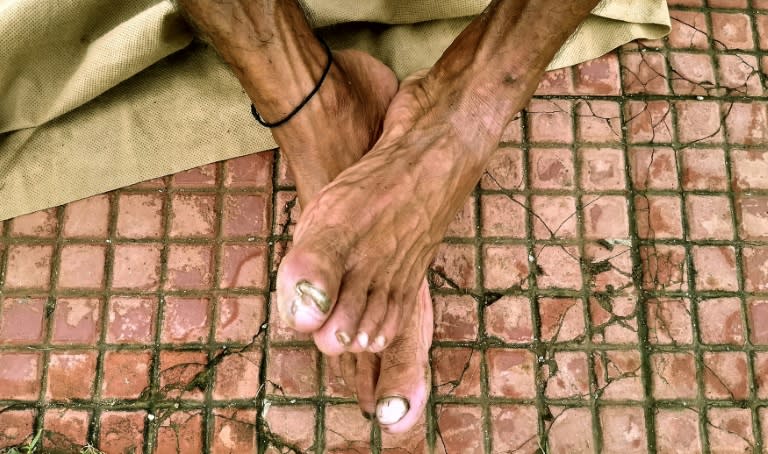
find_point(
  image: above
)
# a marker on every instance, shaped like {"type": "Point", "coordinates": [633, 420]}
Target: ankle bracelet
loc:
{"type": "Point", "coordinates": [303, 103]}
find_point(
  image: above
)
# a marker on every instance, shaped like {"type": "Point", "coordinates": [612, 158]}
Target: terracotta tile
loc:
{"type": "Point", "coordinates": [664, 267]}
{"type": "Point", "coordinates": [569, 378]}
{"type": "Point", "coordinates": [753, 217]}
{"type": "Point", "coordinates": [598, 121]}
{"type": "Point", "coordinates": [673, 376]}
{"type": "Point", "coordinates": [192, 215]}
{"type": "Point", "coordinates": [456, 371]}
{"type": "Point", "coordinates": [558, 267]}
{"type": "Point", "coordinates": [554, 216]}
{"type": "Point", "coordinates": [237, 376]}
{"type": "Point", "coordinates": [178, 370]}
{"type": "Point", "coordinates": [509, 319]}
{"type": "Point", "coordinates": [677, 431]}
{"type": "Point", "coordinates": [76, 321]}
{"type": "Point", "coordinates": [742, 4]}
{"type": "Point", "coordinates": [762, 30]}
{"type": "Point", "coordinates": [288, 212]}
{"type": "Point", "coordinates": [658, 217]}
{"type": "Point", "coordinates": [294, 425]}
{"type": "Point", "coordinates": [503, 215]}
{"type": "Point", "coordinates": [755, 271]}
{"type": "Point", "coordinates": [653, 168]}
{"type": "Point", "coordinates": [16, 427]}
{"type": "Point", "coordinates": [692, 74]}
{"type": "Point", "coordinates": [131, 319]}
{"type": "Point", "coordinates": [82, 266]}
{"type": "Point", "coordinates": [292, 372]}
{"type": "Point", "coordinates": [614, 318]}
{"type": "Point", "coordinates": [140, 216]}
{"type": "Point", "coordinates": [411, 442]}
{"type": "Point", "coordinates": [179, 432]}
{"type": "Point", "coordinates": [122, 431]}
{"type": "Point", "coordinates": [253, 171]}
{"type": "Point", "coordinates": [189, 267]}
{"type": "Point", "coordinates": [154, 183]}
{"type": "Point", "coordinates": [562, 319]}
{"type": "Point", "coordinates": [513, 132]}
{"type": "Point", "coordinates": [607, 267]}
{"type": "Point", "coordinates": [550, 121]}
{"type": "Point", "coordinates": [136, 266]}
{"type": "Point", "coordinates": [455, 317]}
{"type": "Point", "coordinates": [715, 268]}
{"type": "Point", "coordinates": [243, 265]}
{"type": "Point", "coordinates": [709, 217]}
{"type": "Point", "coordinates": [618, 375]}
{"type": "Point", "coordinates": [460, 425]}
{"type": "Point", "coordinates": [346, 431]}
{"type": "Point", "coordinates": [333, 381]}
{"type": "Point", "coordinates": [761, 375]}
{"type": "Point", "coordinates": [556, 82]}
{"type": "Point", "coordinates": [234, 430]}
{"type": "Point", "coordinates": [463, 224]}
{"type": "Point", "coordinates": [510, 373]}
{"type": "Point", "coordinates": [669, 321]}
{"type": "Point", "coordinates": [20, 375]}
{"type": "Point", "coordinates": [186, 320]}
{"type": "Point", "coordinates": [599, 76]}
{"type": "Point", "coordinates": [40, 224]}
{"type": "Point", "coordinates": [699, 122]}
{"type": "Point", "coordinates": [246, 215]}
{"type": "Point", "coordinates": [514, 428]}
{"type": "Point", "coordinates": [602, 169]}
{"type": "Point", "coordinates": [730, 429]}
{"type": "Point", "coordinates": [689, 30]}
{"type": "Point", "coordinates": [551, 168]}
{"type": "Point", "coordinates": [88, 218]}
{"type": "Point", "coordinates": [623, 429]}
{"type": "Point", "coordinates": [21, 320]}
{"type": "Point", "coordinates": [239, 318]}
{"type": "Point", "coordinates": [605, 217]}
{"type": "Point", "coordinates": [65, 430]}
{"type": "Point", "coordinates": [504, 170]}
{"type": "Point", "coordinates": [71, 375]}
{"type": "Point", "coordinates": [704, 169]}
{"type": "Point", "coordinates": [732, 31]}
{"type": "Point", "coordinates": [725, 375]}
{"type": "Point", "coordinates": [454, 266]}
{"type": "Point", "coordinates": [758, 320]}
{"type": "Point", "coordinates": [747, 123]}
{"type": "Point", "coordinates": [199, 177]}
{"type": "Point", "coordinates": [720, 321]}
{"type": "Point", "coordinates": [279, 330]}
{"type": "Point", "coordinates": [29, 266]}
{"type": "Point", "coordinates": [648, 121]}
{"type": "Point", "coordinates": [126, 374]}
{"type": "Point", "coordinates": [570, 430]}
{"type": "Point", "coordinates": [740, 74]}
{"type": "Point", "coordinates": [644, 72]}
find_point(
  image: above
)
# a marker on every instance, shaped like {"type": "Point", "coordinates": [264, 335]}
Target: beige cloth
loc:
{"type": "Point", "coordinates": [100, 94]}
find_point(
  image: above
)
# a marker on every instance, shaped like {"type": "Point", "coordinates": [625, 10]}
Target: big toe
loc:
{"type": "Point", "coordinates": [308, 283]}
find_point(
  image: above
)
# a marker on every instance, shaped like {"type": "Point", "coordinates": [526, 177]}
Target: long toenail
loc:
{"type": "Point", "coordinates": [362, 339]}
{"type": "Point", "coordinates": [390, 410]}
{"type": "Point", "coordinates": [309, 294]}
{"type": "Point", "coordinates": [343, 338]}
{"type": "Point", "coordinates": [380, 341]}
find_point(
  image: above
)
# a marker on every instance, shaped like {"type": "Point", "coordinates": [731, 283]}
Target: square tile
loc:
{"type": "Point", "coordinates": [504, 170]}
{"type": "Point", "coordinates": [673, 376]}
{"type": "Point", "coordinates": [253, 171]}
{"type": "Point", "coordinates": [553, 216]}
{"type": "Point", "coordinates": [753, 217]}
{"type": "Point", "coordinates": [456, 371]}
{"type": "Point", "coordinates": [237, 376]}
{"type": "Point", "coordinates": [82, 266]}
{"type": "Point", "coordinates": [715, 268]}
{"type": "Point", "coordinates": [757, 313]}
{"type": "Point", "coordinates": [558, 267]}
{"type": "Point", "coordinates": [704, 169]}
{"type": "Point", "coordinates": [509, 319]}
{"type": "Point", "coordinates": [243, 265]}
{"type": "Point", "coordinates": [599, 76]}
{"type": "Point", "coordinates": [126, 374]}
{"type": "Point", "coordinates": [178, 370]}
{"type": "Point", "coordinates": [199, 177]}
{"type": "Point", "coordinates": [664, 267]}
{"type": "Point", "coordinates": [20, 375]}
{"type": "Point", "coordinates": [235, 430]}
{"type": "Point", "coordinates": [709, 217]}
{"type": "Point", "coordinates": [510, 373]}
{"type": "Point", "coordinates": [607, 266]}
{"type": "Point", "coordinates": [658, 217]}
{"type": "Point", "coordinates": [689, 30]}
{"type": "Point", "coordinates": [504, 216]}
{"type": "Point", "coordinates": [180, 431]}
{"type": "Point", "coordinates": [16, 427]}
{"type": "Point", "coordinates": [614, 318]}
{"type": "Point", "coordinates": [463, 224]}
{"type": "Point", "coordinates": [618, 375]}
{"type": "Point", "coordinates": [623, 429]}
{"type": "Point", "coordinates": [730, 429]}
{"type": "Point", "coordinates": [239, 318]}
{"type": "Point", "coordinates": [699, 122]}
{"type": "Point", "coordinates": [514, 428]}
{"type": "Point", "coordinates": [454, 267]}
{"type": "Point", "coordinates": [605, 217]}
{"type": "Point", "coordinates": [131, 319]}
{"type": "Point", "coordinates": [192, 215]}
{"type": "Point", "coordinates": [725, 375]}
{"type": "Point", "coordinates": [550, 121]}
{"type": "Point", "coordinates": [677, 431]}
{"type": "Point", "coordinates": [551, 168]}
{"type": "Point", "coordinates": [246, 215]}
{"type": "Point", "coordinates": [761, 375]}
{"type": "Point", "coordinates": [653, 167]}
{"type": "Point", "coordinates": [740, 74]}
{"type": "Point", "coordinates": [747, 123]}
{"type": "Point", "coordinates": [648, 122]}
{"type": "Point", "coordinates": [122, 431]}
{"type": "Point", "coordinates": [455, 317]}
{"type": "Point", "coordinates": [460, 425]}
{"type": "Point", "coordinates": [29, 266]}
{"type": "Point", "coordinates": [506, 266]}
{"type": "Point", "coordinates": [64, 429]}
{"type": "Point", "coordinates": [692, 74]}
{"type": "Point", "coordinates": [346, 430]}
{"type": "Point", "coordinates": [570, 430]}
{"type": "Point", "coordinates": [293, 425]}
{"type": "Point", "coordinates": [598, 121]}
{"type": "Point", "coordinates": [21, 320]}
{"type": "Point", "coordinates": [292, 372]}
{"type": "Point", "coordinates": [136, 266]}
{"type": "Point", "coordinates": [186, 320]}
{"type": "Point", "coordinates": [40, 224]}
{"type": "Point", "coordinates": [755, 271]}
{"type": "Point", "coordinates": [720, 321]}
{"type": "Point", "coordinates": [76, 321]}
{"type": "Point", "coordinates": [645, 72]}
{"type": "Point", "coordinates": [513, 132]}
{"type": "Point", "coordinates": [71, 374]}
{"type": "Point", "coordinates": [669, 321]}
{"type": "Point", "coordinates": [87, 218]}
{"type": "Point", "coordinates": [602, 169]}
{"type": "Point", "coordinates": [732, 31]}
{"type": "Point", "coordinates": [190, 267]}
{"type": "Point", "coordinates": [140, 216]}
{"type": "Point", "coordinates": [569, 379]}
{"type": "Point", "coordinates": [556, 82]}
{"type": "Point", "coordinates": [562, 319]}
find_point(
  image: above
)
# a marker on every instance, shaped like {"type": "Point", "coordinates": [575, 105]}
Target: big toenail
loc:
{"type": "Point", "coordinates": [362, 339]}
{"type": "Point", "coordinates": [309, 294]}
{"type": "Point", "coordinates": [380, 341]}
{"type": "Point", "coordinates": [390, 410]}
{"type": "Point", "coordinates": [343, 338]}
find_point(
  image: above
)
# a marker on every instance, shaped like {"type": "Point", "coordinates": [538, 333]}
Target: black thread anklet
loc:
{"type": "Point", "coordinates": [327, 69]}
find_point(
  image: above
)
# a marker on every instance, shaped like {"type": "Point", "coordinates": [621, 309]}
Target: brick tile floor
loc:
{"type": "Point", "coordinates": [604, 289]}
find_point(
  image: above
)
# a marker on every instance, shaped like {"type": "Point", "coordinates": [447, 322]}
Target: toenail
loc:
{"type": "Point", "coordinates": [390, 410]}
{"type": "Point", "coordinates": [343, 338]}
{"type": "Point", "coordinates": [362, 339]}
{"type": "Point", "coordinates": [309, 294]}
{"type": "Point", "coordinates": [380, 341]}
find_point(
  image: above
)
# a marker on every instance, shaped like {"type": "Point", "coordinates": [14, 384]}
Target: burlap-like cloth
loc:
{"type": "Point", "coordinates": [100, 94]}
